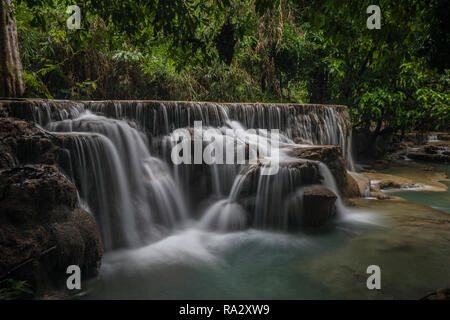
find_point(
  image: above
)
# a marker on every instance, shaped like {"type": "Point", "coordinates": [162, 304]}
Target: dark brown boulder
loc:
{"type": "Point", "coordinates": [294, 174]}
{"type": "Point", "coordinates": [332, 157]}
{"type": "Point", "coordinates": [23, 142]}
{"type": "Point", "coordinates": [311, 206]}
{"type": "Point", "coordinates": [42, 229]}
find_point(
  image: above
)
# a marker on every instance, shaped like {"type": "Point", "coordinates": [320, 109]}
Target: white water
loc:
{"type": "Point", "coordinates": [162, 242]}
{"type": "Point", "coordinates": [137, 198]}
{"type": "Point", "coordinates": [131, 193]}
{"type": "Point", "coordinates": [160, 222]}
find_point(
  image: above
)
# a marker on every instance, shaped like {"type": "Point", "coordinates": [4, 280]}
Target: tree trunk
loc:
{"type": "Point", "coordinates": [11, 72]}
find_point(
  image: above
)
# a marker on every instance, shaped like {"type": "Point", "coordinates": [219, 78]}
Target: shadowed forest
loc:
{"type": "Point", "coordinates": [394, 79]}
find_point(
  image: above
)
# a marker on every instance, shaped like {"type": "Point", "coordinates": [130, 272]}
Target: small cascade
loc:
{"type": "Point", "coordinates": [227, 214]}
{"type": "Point", "coordinates": [259, 199]}
{"type": "Point", "coordinates": [270, 204]}
{"type": "Point", "coordinates": [330, 182]}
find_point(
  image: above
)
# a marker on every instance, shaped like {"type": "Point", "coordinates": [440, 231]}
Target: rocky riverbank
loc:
{"type": "Point", "coordinates": [407, 165]}
{"type": "Point", "coordinates": [43, 229]}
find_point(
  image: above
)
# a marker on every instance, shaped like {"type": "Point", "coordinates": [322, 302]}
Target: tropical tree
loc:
{"type": "Point", "coordinates": [11, 72]}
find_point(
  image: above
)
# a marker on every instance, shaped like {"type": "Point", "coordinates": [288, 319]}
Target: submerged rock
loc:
{"type": "Point", "coordinates": [377, 193]}
{"type": "Point", "coordinates": [389, 184]}
{"type": "Point", "coordinates": [42, 229]}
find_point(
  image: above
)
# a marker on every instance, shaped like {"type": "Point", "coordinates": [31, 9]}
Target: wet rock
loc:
{"type": "Point", "coordinates": [32, 193]}
{"type": "Point", "coordinates": [332, 157]}
{"type": "Point", "coordinates": [363, 183]}
{"type": "Point", "coordinates": [429, 157]}
{"type": "Point", "coordinates": [42, 229]}
{"type": "Point", "coordinates": [318, 206]}
{"type": "Point", "coordinates": [22, 142]}
{"type": "Point", "coordinates": [389, 184]}
{"type": "Point", "coordinates": [377, 193]}
{"type": "Point", "coordinates": [435, 152]}
{"type": "Point", "coordinates": [289, 177]}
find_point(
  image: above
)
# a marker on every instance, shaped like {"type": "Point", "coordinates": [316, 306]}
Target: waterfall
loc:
{"type": "Point", "coordinates": [130, 192]}
{"type": "Point", "coordinates": [121, 161]}
{"type": "Point", "coordinates": [306, 124]}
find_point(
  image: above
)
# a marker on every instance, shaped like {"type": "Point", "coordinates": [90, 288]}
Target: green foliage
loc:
{"type": "Point", "coordinates": [394, 79]}
{"type": "Point", "coordinates": [384, 75]}
{"type": "Point", "coordinates": [34, 87]}
{"type": "Point", "coordinates": [13, 289]}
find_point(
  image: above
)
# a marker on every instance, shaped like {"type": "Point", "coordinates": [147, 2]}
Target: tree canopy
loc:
{"type": "Point", "coordinates": [393, 79]}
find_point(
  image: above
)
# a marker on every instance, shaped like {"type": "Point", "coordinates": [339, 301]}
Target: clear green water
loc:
{"type": "Point", "coordinates": [436, 200]}
{"type": "Point", "coordinates": [328, 263]}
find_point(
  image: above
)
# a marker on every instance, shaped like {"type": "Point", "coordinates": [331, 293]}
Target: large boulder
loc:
{"type": "Point", "coordinates": [332, 157]}
{"type": "Point", "coordinates": [290, 176]}
{"type": "Point", "coordinates": [42, 228]}
{"type": "Point", "coordinates": [311, 206]}
{"type": "Point", "coordinates": [22, 142]}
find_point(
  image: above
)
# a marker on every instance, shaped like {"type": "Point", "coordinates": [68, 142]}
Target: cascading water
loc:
{"type": "Point", "coordinates": [135, 196]}
{"type": "Point", "coordinates": [310, 124]}
{"type": "Point", "coordinates": [227, 231]}
{"type": "Point", "coordinates": [168, 214]}
{"type": "Point", "coordinates": [131, 193]}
